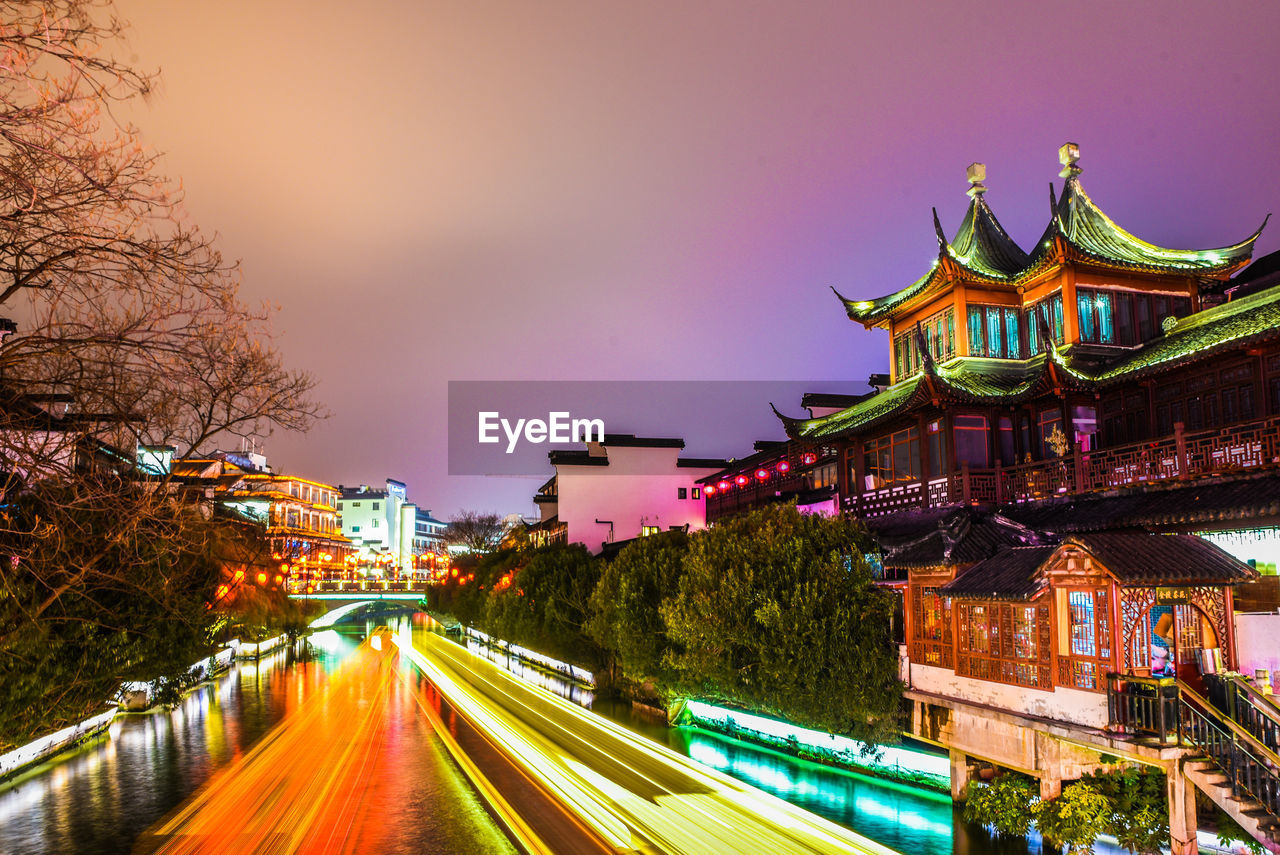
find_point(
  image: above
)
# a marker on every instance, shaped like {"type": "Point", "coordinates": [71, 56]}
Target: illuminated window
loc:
{"type": "Point", "coordinates": [646, 530]}
{"type": "Point", "coordinates": [891, 458]}
{"type": "Point", "coordinates": [697, 492]}
{"type": "Point", "coordinates": [1050, 311]}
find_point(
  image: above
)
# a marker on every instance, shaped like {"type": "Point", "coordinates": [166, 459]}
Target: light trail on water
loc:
{"type": "Point", "coordinates": [634, 794]}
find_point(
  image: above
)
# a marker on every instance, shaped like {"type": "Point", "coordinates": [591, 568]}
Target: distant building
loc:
{"type": "Point", "coordinates": [299, 515]}
{"type": "Point", "coordinates": [372, 518]}
{"type": "Point", "coordinates": [621, 488]}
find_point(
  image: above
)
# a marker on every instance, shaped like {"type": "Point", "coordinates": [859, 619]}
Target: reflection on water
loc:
{"type": "Point", "coordinates": [575, 692]}
{"type": "Point", "coordinates": [102, 796]}
{"type": "Point", "coordinates": [908, 819]}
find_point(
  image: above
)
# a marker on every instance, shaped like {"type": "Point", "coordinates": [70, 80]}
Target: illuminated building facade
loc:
{"type": "Point", "coordinates": [298, 515]}
{"type": "Point", "coordinates": [1057, 428]}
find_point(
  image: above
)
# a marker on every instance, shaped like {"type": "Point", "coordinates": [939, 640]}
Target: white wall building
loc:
{"type": "Point", "coordinates": [622, 488]}
{"type": "Point", "coordinates": [372, 519]}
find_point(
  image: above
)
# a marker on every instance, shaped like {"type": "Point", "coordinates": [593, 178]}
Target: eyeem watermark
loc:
{"type": "Point", "coordinates": [560, 427]}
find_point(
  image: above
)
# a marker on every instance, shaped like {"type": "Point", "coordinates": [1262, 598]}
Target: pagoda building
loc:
{"type": "Point", "coordinates": [1065, 434]}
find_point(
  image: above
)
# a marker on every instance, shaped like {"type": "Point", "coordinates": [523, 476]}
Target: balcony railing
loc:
{"type": "Point", "coordinates": [1174, 714]}
{"type": "Point", "coordinates": [1253, 446]}
{"type": "Point", "coordinates": [1143, 706]}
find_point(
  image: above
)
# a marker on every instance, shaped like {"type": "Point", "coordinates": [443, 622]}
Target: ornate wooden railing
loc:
{"type": "Point", "coordinates": [1255, 712]}
{"type": "Point", "coordinates": [1240, 448]}
{"type": "Point", "coordinates": [1175, 714]}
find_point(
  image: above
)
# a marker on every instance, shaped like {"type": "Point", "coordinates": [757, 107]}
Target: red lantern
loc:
{"type": "Point", "coordinates": [741, 480]}
{"type": "Point", "coordinates": [709, 490]}
{"type": "Point", "coordinates": [762, 474]}
{"type": "Point", "coordinates": [808, 458]}
{"type": "Point", "coordinates": [783, 467]}
{"type": "Point", "coordinates": [722, 486]}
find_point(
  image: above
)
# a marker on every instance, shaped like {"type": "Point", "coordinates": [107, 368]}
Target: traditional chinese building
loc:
{"type": "Point", "coordinates": [1058, 427]}
{"type": "Point", "coordinates": [299, 516]}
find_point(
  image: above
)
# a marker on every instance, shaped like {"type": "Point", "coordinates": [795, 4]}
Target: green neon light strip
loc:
{"type": "Point", "coordinates": [890, 761]}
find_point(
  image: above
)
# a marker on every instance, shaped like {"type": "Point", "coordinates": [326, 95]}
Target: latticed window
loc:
{"type": "Point", "coordinates": [995, 332]}
{"type": "Point", "coordinates": [891, 458]}
{"type": "Point", "coordinates": [930, 642]}
{"type": "Point", "coordinates": [1089, 640]}
{"type": "Point", "coordinates": [939, 331]}
{"type": "Point", "coordinates": [1008, 643]}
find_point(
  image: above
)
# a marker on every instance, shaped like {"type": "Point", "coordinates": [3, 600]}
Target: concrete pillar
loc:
{"type": "Point", "coordinates": [1049, 765]}
{"type": "Point", "coordinates": [959, 776]}
{"type": "Point", "coordinates": [1182, 811]}
{"type": "Point", "coordinates": [1050, 786]}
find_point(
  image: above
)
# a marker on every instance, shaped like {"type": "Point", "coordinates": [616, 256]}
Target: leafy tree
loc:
{"type": "Point", "coordinates": [478, 532]}
{"type": "Point", "coordinates": [1139, 806]}
{"type": "Point", "coordinates": [544, 603]}
{"type": "Point", "coordinates": [1005, 804]}
{"type": "Point", "coordinates": [625, 617]}
{"type": "Point", "coordinates": [776, 611]}
{"type": "Point", "coordinates": [1074, 820]}
{"type": "Point", "coordinates": [87, 603]}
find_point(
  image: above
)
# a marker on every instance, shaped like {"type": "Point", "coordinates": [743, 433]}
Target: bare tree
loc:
{"type": "Point", "coordinates": [476, 531]}
{"type": "Point", "coordinates": [132, 330]}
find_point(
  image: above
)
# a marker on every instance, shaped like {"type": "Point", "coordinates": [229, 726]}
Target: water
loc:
{"type": "Point", "coordinates": [101, 797]}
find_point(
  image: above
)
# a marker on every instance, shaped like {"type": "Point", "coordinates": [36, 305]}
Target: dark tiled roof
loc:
{"type": "Point", "coordinates": [947, 537]}
{"type": "Point", "coordinates": [628, 440]}
{"type": "Point", "coordinates": [576, 458]}
{"type": "Point", "coordinates": [1163, 559]}
{"type": "Point", "coordinates": [1013, 574]}
{"type": "Point", "coordinates": [1198, 503]}
{"type": "Point", "coordinates": [827, 399]}
{"type": "Point", "coordinates": [701, 463]}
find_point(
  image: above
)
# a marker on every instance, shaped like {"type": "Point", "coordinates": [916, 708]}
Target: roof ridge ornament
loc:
{"type": "Point", "coordinates": [943, 243]}
{"type": "Point", "coordinates": [976, 174]}
{"type": "Point", "coordinates": [1069, 157]}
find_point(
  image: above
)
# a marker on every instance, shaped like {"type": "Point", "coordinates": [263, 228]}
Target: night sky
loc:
{"type": "Point", "coordinates": [661, 190]}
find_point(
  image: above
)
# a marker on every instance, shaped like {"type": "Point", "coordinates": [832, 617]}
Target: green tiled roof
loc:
{"type": "Point", "coordinates": [863, 413]}
{"type": "Point", "coordinates": [1232, 324]}
{"type": "Point", "coordinates": [1078, 220]}
{"type": "Point", "coordinates": [867, 311]}
{"type": "Point", "coordinates": [982, 245]}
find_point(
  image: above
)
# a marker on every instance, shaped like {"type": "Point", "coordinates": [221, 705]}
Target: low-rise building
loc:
{"type": "Point", "coordinates": [619, 489]}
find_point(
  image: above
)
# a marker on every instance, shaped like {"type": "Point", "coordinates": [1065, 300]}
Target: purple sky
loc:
{"type": "Point", "coordinates": [661, 190]}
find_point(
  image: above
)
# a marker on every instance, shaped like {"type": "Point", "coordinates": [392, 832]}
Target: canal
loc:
{"type": "Point", "coordinates": [104, 795]}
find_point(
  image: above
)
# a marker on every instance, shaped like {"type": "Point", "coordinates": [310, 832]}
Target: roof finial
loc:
{"type": "Point", "coordinates": [937, 229]}
{"type": "Point", "coordinates": [1069, 157]}
{"type": "Point", "coordinates": [976, 173]}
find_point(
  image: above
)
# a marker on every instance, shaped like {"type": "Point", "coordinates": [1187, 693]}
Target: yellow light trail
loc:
{"type": "Point", "coordinates": [634, 793]}
{"type": "Point", "coordinates": [305, 787]}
